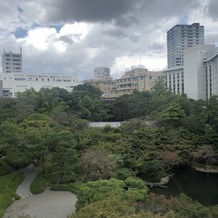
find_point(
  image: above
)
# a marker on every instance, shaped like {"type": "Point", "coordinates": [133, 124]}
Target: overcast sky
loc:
{"type": "Point", "coordinates": [73, 37]}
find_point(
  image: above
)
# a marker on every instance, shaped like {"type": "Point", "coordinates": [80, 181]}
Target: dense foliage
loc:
{"type": "Point", "coordinates": [107, 166]}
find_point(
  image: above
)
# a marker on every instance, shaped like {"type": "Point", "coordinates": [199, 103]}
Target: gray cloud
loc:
{"type": "Point", "coordinates": [66, 39]}
{"type": "Point", "coordinates": [83, 10]}
{"type": "Point", "coordinates": [156, 46]}
{"type": "Point", "coordinates": [212, 9]}
{"type": "Point", "coordinates": [211, 39]}
{"type": "Point", "coordinates": [114, 32]}
{"type": "Point", "coordinates": [120, 12]}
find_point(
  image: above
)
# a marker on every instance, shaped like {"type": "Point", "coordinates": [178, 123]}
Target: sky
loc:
{"type": "Point", "coordinates": [73, 37]}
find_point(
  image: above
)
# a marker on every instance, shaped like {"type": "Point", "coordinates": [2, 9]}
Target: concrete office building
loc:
{"type": "Point", "coordinates": [12, 62]}
{"type": "Point", "coordinates": [103, 81]}
{"type": "Point", "coordinates": [181, 37]}
{"type": "Point", "coordinates": [102, 73]}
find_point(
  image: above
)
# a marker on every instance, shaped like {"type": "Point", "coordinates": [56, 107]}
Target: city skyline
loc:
{"type": "Point", "coordinates": [73, 38]}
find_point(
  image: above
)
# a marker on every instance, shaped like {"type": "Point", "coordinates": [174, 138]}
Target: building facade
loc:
{"type": "Point", "coordinates": [102, 73]}
{"type": "Point", "coordinates": [211, 71]}
{"type": "Point", "coordinates": [198, 77]}
{"type": "Point", "coordinates": [181, 37]}
{"type": "Point", "coordinates": [1, 88]}
{"type": "Point", "coordinates": [195, 71]}
{"type": "Point", "coordinates": [174, 78]}
{"type": "Point", "coordinates": [106, 86]}
{"type": "Point", "coordinates": [12, 62]}
{"type": "Point", "coordinates": [19, 82]}
{"type": "Point", "coordinates": [137, 78]}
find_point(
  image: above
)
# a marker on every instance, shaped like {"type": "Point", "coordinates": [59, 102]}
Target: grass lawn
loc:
{"type": "Point", "coordinates": [4, 168]}
{"type": "Point", "coordinates": [8, 186]}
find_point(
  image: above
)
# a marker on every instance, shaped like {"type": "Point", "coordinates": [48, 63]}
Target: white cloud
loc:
{"type": "Point", "coordinates": [40, 37]}
{"type": "Point", "coordinates": [77, 31]}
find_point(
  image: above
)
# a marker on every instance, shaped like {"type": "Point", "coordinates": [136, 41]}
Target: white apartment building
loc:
{"type": "Point", "coordinates": [12, 62]}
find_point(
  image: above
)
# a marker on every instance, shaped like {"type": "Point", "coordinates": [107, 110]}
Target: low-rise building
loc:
{"type": "Point", "coordinates": [138, 78]}
{"type": "Point", "coordinates": [19, 82]}
{"type": "Point", "coordinates": [106, 86]}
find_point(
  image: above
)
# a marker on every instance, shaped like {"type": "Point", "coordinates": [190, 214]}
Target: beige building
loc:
{"type": "Point", "coordinates": [136, 79]}
{"type": "Point", "coordinates": [102, 73]}
{"type": "Point", "coordinates": [103, 81]}
{"type": "Point", "coordinates": [106, 86]}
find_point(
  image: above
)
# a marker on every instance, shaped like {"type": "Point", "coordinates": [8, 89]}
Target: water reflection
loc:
{"type": "Point", "coordinates": [199, 186]}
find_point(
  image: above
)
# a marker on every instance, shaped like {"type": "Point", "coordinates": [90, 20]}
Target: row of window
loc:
{"type": "Point", "coordinates": [42, 79]}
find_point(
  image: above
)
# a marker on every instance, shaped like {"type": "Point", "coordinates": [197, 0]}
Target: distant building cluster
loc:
{"type": "Point", "coordinates": [136, 78]}
{"type": "Point", "coordinates": [192, 65]}
{"type": "Point", "coordinates": [192, 70]}
{"type": "Point", "coordinates": [13, 80]}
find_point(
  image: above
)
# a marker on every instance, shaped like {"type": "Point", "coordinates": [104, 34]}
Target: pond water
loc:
{"type": "Point", "coordinates": [197, 185]}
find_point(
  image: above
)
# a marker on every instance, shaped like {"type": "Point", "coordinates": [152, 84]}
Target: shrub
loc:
{"type": "Point", "coordinates": [38, 185]}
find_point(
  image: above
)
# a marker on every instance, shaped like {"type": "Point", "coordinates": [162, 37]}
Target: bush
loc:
{"type": "Point", "coordinates": [18, 160]}
{"type": "Point", "coordinates": [38, 185]}
{"type": "Point", "coordinates": [135, 183]}
{"type": "Point", "coordinates": [4, 169]}
{"type": "Point", "coordinates": [123, 173]}
{"type": "Point", "coordinates": [152, 171]}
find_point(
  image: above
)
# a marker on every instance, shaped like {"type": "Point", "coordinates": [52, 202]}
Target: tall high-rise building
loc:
{"type": "Point", "coordinates": [181, 37]}
{"type": "Point", "coordinates": [12, 62]}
